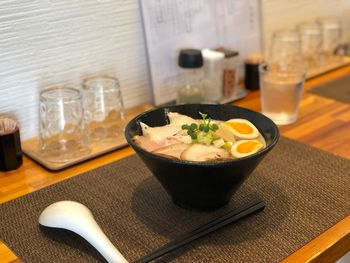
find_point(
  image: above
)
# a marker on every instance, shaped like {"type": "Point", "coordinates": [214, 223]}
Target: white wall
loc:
{"type": "Point", "coordinates": [45, 42]}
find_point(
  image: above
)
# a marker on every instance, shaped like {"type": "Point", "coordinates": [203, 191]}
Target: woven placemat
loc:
{"type": "Point", "coordinates": [306, 191]}
{"type": "Point", "coordinates": [337, 90]}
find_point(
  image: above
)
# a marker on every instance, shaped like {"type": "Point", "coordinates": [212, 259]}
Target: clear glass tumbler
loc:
{"type": "Point", "coordinates": [311, 44]}
{"type": "Point", "coordinates": [62, 131]}
{"type": "Point", "coordinates": [285, 47]}
{"type": "Point", "coordinates": [281, 89]}
{"type": "Point", "coordinates": [103, 108]}
{"type": "Point", "coordinates": [331, 38]}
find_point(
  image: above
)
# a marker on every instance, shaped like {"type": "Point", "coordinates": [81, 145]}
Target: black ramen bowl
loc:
{"type": "Point", "coordinates": [201, 185]}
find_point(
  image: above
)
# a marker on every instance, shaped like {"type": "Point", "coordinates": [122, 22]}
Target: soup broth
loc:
{"type": "Point", "coordinates": [201, 140]}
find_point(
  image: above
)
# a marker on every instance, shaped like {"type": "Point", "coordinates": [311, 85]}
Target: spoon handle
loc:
{"type": "Point", "coordinates": [95, 236]}
{"type": "Point", "coordinates": [220, 222]}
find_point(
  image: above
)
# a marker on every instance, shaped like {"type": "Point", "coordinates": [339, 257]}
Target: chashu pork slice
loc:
{"type": "Point", "coordinates": [158, 134]}
{"type": "Point", "coordinates": [174, 150]}
{"type": "Point", "coordinates": [180, 119]}
{"type": "Point", "coordinates": [202, 153]}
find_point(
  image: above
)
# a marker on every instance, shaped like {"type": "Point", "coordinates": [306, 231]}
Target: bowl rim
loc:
{"type": "Point", "coordinates": [184, 162]}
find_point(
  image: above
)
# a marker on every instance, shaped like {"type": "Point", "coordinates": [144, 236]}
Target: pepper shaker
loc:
{"type": "Point", "coordinates": [251, 66]}
{"type": "Point", "coordinates": [231, 71]}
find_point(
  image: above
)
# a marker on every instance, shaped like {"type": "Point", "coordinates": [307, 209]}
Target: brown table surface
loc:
{"type": "Point", "coordinates": [323, 123]}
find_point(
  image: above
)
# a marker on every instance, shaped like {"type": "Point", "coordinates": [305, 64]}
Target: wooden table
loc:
{"type": "Point", "coordinates": [323, 123]}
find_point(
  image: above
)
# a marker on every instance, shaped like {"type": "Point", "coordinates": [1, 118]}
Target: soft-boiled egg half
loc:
{"type": "Point", "coordinates": [244, 148]}
{"type": "Point", "coordinates": [240, 129]}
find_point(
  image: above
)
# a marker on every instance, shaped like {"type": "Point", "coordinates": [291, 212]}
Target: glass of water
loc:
{"type": "Point", "coordinates": [62, 131]}
{"type": "Point", "coordinates": [103, 108]}
{"type": "Point", "coordinates": [281, 87]}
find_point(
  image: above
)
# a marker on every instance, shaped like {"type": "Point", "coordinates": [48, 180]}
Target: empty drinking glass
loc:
{"type": "Point", "coordinates": [281, 89]}
{"type": "Point", "coordinates": [331, 38]}
{"type": "Point", "coordinates": [62, 132]}
{"type": "Point", "coordinates": [311, 43]}
{"type": "Point", "coordinates": [285, 47]}
{"type": "Point", "coordinates": [103, 108]}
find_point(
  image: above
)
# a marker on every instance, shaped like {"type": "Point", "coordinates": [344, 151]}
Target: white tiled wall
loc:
{"type": "Point", "coordinates": [45, 42]}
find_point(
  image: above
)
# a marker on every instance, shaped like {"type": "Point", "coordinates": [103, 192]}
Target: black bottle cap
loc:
{"type": "Point", "coordinates": [190, 58]}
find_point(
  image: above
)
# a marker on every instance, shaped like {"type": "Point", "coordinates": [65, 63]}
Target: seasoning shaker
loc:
{"type": "Point", "coordinates": [10, 145]}
{"type": "Point", "coordinates": [190, 89]}
{"type": "Point", "coordinates": [213, 75]}
{"type": "Point", "coordinates": [251, 66]}
{"type": "Point", "coordinates": [231, 71]}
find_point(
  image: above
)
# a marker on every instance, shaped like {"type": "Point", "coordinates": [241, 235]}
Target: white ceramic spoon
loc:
{"type": "Point", "coordinates": [78, 218]}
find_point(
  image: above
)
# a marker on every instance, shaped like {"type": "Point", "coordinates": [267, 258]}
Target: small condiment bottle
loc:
{"type": "Point", "coordinates": [190, 89]}
{"type": "Point", "coordinates": [231, 72]}
{"type": "Point", "coordinates": [213, 75]}
{"type": "Point", "coordinates": [251, 74]}
{"type": "Point", "coordinates": [10, 145]}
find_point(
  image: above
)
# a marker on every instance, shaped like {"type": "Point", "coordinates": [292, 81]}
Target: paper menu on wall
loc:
{"type": "Point", "coordinates": [174, 24]}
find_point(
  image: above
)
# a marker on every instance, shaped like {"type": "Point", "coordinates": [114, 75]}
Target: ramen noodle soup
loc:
{"type": "Point", "coordinates": [201, 140]}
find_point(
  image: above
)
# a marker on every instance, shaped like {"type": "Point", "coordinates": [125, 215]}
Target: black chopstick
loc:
{"type": "Point", "coordinates": [222, 221]}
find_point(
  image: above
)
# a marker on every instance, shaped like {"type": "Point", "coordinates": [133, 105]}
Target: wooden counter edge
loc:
{"type": "Point", "coordinates": [329, 246]}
